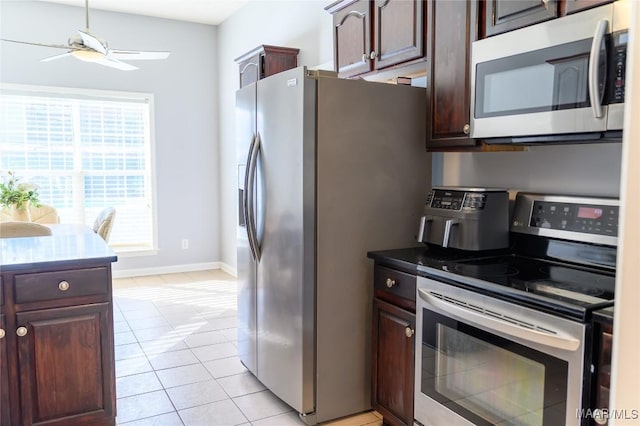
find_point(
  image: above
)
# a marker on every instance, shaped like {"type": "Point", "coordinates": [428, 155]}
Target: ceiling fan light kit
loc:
{"type": "Point", "coordinates": [87, 55]}
{"type": "Point", "coordinates": [89, 48]}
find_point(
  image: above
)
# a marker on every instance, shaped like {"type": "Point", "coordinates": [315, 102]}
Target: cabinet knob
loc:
{"type": "Point", "coordinates": [2, 333]}
{"type": "Point", "coordinates": [390, 282]}
{"type": "Point", "coordinates": [21, 331]}
{"type": "Point", "coordinates": [408, 331]}
{"type": "Point", "coordinates": [599, 416]}
{"type": "Point", "coordinates": [365, 57]}
{"type": "Point", "coordinates": [63, 285]}
{"type": "Point", "coordinates": [373, 55]}
{"type": "Point", "coordinates": [466, 129]}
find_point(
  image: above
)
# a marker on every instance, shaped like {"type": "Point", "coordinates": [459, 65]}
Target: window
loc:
{"type": "Point", "coordinates": [86, 150]}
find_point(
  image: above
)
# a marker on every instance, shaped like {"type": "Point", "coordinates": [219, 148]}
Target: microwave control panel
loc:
{"type": "Point", "coordinates": [584, 218]}
{"type": "Point", "coordinates": [618, 62]}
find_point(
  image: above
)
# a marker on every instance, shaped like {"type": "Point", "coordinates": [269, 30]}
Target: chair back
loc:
{"type": "Point", "coordinates": [104, 222]}
{"type": "Point", "coordinates": [44, 214]}
{"type": "Point", "coordinates": [23, 229]}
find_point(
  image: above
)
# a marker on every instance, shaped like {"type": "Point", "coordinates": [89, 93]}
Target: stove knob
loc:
{"type": "Point", "coordinates": [390, 282]}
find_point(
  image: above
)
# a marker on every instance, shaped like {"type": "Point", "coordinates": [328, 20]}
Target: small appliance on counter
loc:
{"type": "Point", "coordinates": [466, 218]}
{"type": "Point", "coordinates": [506, 338]}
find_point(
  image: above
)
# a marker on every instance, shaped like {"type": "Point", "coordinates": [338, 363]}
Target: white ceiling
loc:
{"type": "Point", "coordinates": [211, 12]}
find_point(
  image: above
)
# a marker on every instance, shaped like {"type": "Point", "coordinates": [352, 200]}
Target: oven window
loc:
{"type": "Point", "coordinates": [488, 379]}
{"type": "Point", "coordinates": [543, 80]}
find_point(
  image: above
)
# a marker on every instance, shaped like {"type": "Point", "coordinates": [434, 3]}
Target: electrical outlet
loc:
{"type": "Point", "coordinates": [185, 244]}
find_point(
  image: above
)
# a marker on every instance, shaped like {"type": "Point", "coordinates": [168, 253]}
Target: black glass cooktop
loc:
{"type": "Point", "coordinates": [563, 288]}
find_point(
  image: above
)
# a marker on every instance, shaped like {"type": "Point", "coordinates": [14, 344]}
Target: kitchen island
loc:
{"type": "Point", "coordinates": [56, 330]}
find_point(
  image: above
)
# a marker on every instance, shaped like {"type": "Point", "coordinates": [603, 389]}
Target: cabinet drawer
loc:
{"type": "Point", "coordinates": [399, 283]}
{"type": "Point", "coordinates": [61, 284]}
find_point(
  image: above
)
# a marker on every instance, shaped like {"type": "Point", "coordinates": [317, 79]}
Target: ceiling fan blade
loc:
{"type": "Point", "coordinates": [89, 40]}
{"type": "Point", "coordinates": [57, 46]}
{"type": "Point", "coordinates": [114, 63]}
{"type": "Point", "coordinates": [136, 55]}
{"type": "Point", "coordinates": [51, 58]}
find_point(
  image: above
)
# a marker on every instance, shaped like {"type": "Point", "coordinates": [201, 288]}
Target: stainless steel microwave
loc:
{"type": "Point", "coordinates": [562, 80]}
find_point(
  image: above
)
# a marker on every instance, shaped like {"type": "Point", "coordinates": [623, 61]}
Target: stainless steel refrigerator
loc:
{"type": "Point", "coordinates": [328, 169]}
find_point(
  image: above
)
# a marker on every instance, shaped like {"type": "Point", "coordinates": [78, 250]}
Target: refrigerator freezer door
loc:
{"type": "Point", "coordinates": [247, 267]}
{"type": "Point", "coordinates": [285, 303]}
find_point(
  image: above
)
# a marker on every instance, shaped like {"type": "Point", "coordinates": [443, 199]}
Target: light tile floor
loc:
{"type": "Point", "coordinates": [176, 357]}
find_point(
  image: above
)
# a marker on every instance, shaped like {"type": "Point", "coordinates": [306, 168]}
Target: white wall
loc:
{"type": "Point", "coordinates": [300, 24]}
{"type": "Point", "coordinates": [625, 367]}
{"type": "Point", "coordinates": [185, 93]}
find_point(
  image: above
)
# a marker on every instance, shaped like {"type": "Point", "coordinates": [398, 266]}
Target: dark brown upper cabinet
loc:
{"type": "Point", "coordinates": [506, 15]}
{"type": "Point", "coordinates": [264, 61]}
{"type": "Point", "coordinates": [451, 28]}
{"type": "Point", "coordinates": [374, 35]}
{"type": "Point", "coordinates": [453, 25]}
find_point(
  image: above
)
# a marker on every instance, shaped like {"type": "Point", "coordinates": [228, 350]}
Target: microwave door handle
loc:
{"type": "Point", "coordinates": [594, 75]}
{"type": "Point", "coordinates": [556, 340]}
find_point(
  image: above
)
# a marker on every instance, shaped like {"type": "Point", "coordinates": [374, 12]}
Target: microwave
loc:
{"type": "Point", "coordinates": [562, 80]}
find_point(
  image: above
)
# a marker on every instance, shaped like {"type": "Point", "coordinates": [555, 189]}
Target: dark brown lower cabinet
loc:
{"type": "Point", "coordinates": [604, 345]}
{"type": "Point", "coordinates": [4, 375]}
{"type": "Point", "coordinates": [393, 363]}
{"type": "Point", "coordinates": [65, 366]}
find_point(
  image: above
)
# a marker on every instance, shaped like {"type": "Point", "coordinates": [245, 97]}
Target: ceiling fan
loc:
{"type": "Point", "coordinates": [89, 48]}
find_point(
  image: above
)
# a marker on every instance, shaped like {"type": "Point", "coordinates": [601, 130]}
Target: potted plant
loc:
{"type": "Point", "coordinates": [18, 196]}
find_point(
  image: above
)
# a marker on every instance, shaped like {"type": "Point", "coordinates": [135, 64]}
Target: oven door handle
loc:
{"type": "Point", "coordinates": [558, 341]}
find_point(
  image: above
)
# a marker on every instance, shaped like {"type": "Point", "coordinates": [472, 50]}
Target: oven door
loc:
{"type": "Point", "coordinates": [547, 79]}
{"type": "Point", "coordinates": [485, 361]}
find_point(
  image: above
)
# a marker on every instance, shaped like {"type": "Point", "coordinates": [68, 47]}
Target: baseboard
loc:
{"type": "Point", "coordinates": [229, 269]}
{"type": "Point", "coordinates": [139, 272]}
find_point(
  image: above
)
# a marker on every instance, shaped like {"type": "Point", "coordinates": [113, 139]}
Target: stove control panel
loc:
{"type": "Point", "coordinates": [567, 217]}
{"type": "Point", "coordinates": [585, 218]}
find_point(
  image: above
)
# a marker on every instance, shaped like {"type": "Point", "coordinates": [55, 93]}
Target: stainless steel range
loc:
{"type": "Point", "coordinates": [503, 335]}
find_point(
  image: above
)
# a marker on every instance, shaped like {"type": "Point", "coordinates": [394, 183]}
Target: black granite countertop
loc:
{"type": "Point", "coordinates": [604, 315]}
{"type": "Point", "coordinates": [29, 252]}
{"type": "Point", "coordinates": [409, 259]}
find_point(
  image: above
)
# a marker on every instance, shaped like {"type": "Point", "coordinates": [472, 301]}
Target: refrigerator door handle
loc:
{"type": "Point", "coordinates": [250, 182]}
{"type": "Point", "coordinates": [246, 184]}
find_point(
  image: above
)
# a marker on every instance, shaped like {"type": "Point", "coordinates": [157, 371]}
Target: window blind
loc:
{"type": "Point", "coordinates": [85, 153]}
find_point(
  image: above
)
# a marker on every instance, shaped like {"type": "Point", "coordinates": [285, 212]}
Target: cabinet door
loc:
{"type": "Point", "coordinates": [452, 26]}
{"type": "Point", "coordinates": [398, 31]}
{"type": "Point", "coordinates": [66, 366]}
{"type": "Point", "coordinates": [4, 375]}
{"type": "Point", "coordinates": [603, 378]}
{"type": "Point", "coordinates": [250, 70]}
{"type": "Point", "coordinates": [393, 363]}
{"type": "Point", "coordinates": [507, 15]}
{"type": "Point", "coordinates": [352, 39]}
